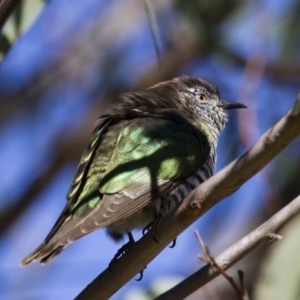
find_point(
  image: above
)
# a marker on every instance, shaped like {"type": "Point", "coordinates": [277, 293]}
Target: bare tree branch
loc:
{"type": "Point", "coordinates": [212, 191]}
{"type": "Point", "coordinates": [209, 259]}
{"type": "Point", "coordinates": [234, 253]}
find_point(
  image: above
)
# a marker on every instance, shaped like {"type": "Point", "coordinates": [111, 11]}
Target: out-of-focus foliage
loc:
{"type": "Point", "coordinates": [19, 23]}
{"type": "Point", "coordinates": [4, 45]}
{"type": "Point", "coordinates": [280, 273]}
{"type": "Point", "coordinates": [67, 60]}
{"type": "Point", "coordinates": [203, 17]}
{"type": "Point", "coordinates": [289, 51]}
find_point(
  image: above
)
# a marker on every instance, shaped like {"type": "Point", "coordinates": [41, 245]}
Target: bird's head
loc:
{"type": "Point", "coordinates": [199, 92]}
{"type": "Point", "coordinates": [203, 99]}
{"type": "Point", "coordinates": [195, 98]}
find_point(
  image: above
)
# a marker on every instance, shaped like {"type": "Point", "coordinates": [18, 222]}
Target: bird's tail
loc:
{"type": "Point", "coordinates": [45, 253]}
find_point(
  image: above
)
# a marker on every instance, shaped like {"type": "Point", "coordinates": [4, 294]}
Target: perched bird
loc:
{"type": "Point", "coordinates": [144, 157]}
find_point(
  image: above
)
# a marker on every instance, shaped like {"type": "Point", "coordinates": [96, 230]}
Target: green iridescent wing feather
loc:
{"type": "Point", "coordinates": [127, 166]}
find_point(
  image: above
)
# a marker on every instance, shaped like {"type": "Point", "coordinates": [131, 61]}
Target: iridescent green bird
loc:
{"type": "Point", "coordinates": [144, 157]}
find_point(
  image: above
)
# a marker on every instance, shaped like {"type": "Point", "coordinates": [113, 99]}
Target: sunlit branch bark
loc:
{"type": "Point", "coordinates": [224, 183]}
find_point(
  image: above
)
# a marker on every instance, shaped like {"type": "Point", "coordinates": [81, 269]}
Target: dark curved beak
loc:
{"type": "Point", "coordinates": [231, 105]}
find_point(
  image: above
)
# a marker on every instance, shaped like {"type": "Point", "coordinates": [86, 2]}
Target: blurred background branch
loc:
{"type": "Point", "coordinates": [62, 65]}
{"type": "Point", "coordinates": [7, 8]}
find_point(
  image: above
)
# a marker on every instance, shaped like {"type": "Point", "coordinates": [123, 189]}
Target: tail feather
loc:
{"type": "Point", "coordinates": [45, 253]}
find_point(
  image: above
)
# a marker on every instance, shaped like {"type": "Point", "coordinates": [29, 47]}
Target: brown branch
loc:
{"type": "Point", "coordinates": [234, 253]}
{"type": "Point", "coordinates": [224, 183]}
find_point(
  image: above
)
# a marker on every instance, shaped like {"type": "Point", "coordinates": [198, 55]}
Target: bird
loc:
{"type": "Point", "coordinates": [145, 155]}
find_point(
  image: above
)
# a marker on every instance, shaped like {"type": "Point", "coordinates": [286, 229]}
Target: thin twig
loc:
{"type": "Point", "coordinates": [245, 293]}
{"type": "Point", "coordinates": [154, 29]}
{"type": "Point", "coordinates": [210, 260]}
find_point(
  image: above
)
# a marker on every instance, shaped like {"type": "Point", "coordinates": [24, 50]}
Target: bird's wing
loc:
{"type": "Point", "coordinates": [128, 163]}
{"type": "Point", "coordinates": [153, 156]}
{"type": "Point", "coordinates": [80, 176]}
{"type": "Point", "coordinates": [126, 167]}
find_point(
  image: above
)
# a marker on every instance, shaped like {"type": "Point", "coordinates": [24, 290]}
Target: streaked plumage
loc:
{"type": "Point", "coordinates": [144, 157]}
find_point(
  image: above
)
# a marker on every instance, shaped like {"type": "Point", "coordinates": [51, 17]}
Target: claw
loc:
{"type": "Point", "coordinates": [152, 226]}
{"type": "Point", "coordinates": [122, 250]}
{"type": "Point", "coordinates": [173, 243]}
{"type": "Point", "coordinates": [141, 274]}
{"type": "Point", "coordinates": [146, 229]}
{"type": "Point", "coordinates": [155, 239]}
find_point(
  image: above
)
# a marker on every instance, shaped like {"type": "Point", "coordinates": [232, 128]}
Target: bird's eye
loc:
{"type": "Point", "coordinates": [202, 97]}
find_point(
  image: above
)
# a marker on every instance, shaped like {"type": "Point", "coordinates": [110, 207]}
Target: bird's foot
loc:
{"type": "Point", "coordinates": [152, 226]}
{"type": "Point", "coordinates": [125, 248]}
{"type": "Point", "coordinates": [147, 229]}
{"type": "Point", "coordinates": [122, 250]}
